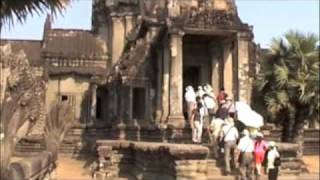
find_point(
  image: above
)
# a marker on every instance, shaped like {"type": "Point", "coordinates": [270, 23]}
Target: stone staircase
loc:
{"type": "Point", "coordinates": [80, 140]}
{"type": "Point", "coordinates": [38, 128]}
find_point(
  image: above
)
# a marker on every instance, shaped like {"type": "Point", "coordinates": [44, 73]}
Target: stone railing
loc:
{"type": "Point", "coordinates": [33, 167]}
{"type": "Point", "coordinates": [290, 164]}
{"type": "Point", "coordinates": [144, 160]}
{"type": "Point", "coordinates": [76, 63]}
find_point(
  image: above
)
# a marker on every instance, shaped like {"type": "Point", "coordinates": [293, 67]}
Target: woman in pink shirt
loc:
{"type": "Point", "coordinates": [260, 147]}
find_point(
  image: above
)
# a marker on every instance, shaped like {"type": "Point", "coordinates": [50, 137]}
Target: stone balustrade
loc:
{"type": "Point", "coordinates": [145, 160]}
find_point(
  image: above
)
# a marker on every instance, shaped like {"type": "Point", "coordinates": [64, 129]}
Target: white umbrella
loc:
{"type": "Point", "coordinates": [242, 106]}
{"type": "Point", "coordinates": [250, 118]}
{"type": "Point", "coordinates": [257, 120]}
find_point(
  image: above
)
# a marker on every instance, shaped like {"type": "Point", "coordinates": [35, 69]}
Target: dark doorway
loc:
{"type": "Point", "coordinates": [99, 108]}
{"type": "Point", "coordinates": [191, 76]}
{"type": "Point", "coordinates": [139, 103]}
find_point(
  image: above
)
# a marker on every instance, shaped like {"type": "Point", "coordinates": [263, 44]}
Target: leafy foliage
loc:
{"type": "Point", "coordinates": [289, 79]}
{"type": "Point", "coordinates": [21, 8]}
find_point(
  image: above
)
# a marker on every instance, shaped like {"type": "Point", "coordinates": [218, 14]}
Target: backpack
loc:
{"type": "Point", "coordinates": [277, 162]}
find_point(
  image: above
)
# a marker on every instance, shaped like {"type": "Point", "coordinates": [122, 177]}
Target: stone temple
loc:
{"type": "Point", "coordinates": [128, 73]}
{"type": "Point", "coordinates": [125, 80]}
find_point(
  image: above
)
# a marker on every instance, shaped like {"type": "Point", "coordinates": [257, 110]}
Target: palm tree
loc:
{"type": "Point", "coordinates": [289, 81]}
{"type": "Point", "coordinates": [19, 9]}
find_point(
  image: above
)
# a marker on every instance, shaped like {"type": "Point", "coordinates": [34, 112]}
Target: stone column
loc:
{"type": "Point", "coordinates": [159, 85]}
{"type": "Point", "coordinates": [93, 105]}
{"type": "Point", "coordinates": [165, 83]}
{"type": "Point", "coordinates": [244, 85]}
{"type": "Point", "coordinates": [121, 126]}
{"type": "Point", "coordinates": [118, 37]}
{"type": "Point", "coordinates": [130, 102]}
{"type": "Point", "coordinates": [227, 69]}
{"type": "Point", "coordinates": [215, 66]}
{"type": "Point", "coordinates": [176, 119]}
{"type": "Point", "coordinates": [129, 24]}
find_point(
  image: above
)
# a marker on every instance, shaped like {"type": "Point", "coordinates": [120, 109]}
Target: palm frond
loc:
{"type": "Point", "coordinates": [289, 77]}
{"type": "Point", "coordinates": [281, 75]}
{"type": "Point", "coordinates": [20, 9]}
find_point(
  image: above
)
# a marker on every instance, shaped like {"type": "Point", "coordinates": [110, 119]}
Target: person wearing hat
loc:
{"type": "Point", "coordinates": [197, 116]}
{"type": "Point", "coordinates": [208, 90]}
{"type": "Point", "coordinates": [229, 136]}
{"type": "Point", "coordinates": [226, 108]}
{"type": "Point", "coordinates": [190, 99]}
{"type": "Point", "coordinates": [215, 128]}
{"type": "Point", "coordinates": [211, 107]}
{"type": "Point", "coordinates": [200, 92]}
{"type": "Point", "coordinates": [245, 151]}
{"type": "Point", "coordinates": [221, 95]}
{"type": "Point", "coordinates": [260, 147]}
{"type": "Point", "coordinates": [272, 161]}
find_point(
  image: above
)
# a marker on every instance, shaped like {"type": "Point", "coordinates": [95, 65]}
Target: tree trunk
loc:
{"type": "Point", "coordinates": [288, 126]}
{"type": "Point", "coordinates": [299, 139]}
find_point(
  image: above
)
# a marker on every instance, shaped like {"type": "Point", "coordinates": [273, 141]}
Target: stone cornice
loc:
{"type": "Point", "coordinates": [206, 19]}
{"type": "Point", "coordinates": [245, 35]}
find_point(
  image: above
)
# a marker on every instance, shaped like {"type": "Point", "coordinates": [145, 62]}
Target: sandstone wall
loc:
{"type": "Point", "coordinates": [144, 160]}
{"type": "Point", "coordinates": [76, 87]}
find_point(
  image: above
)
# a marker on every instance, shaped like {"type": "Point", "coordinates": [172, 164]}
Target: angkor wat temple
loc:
{"type": "Point", "coordinates": [129, 72]}
{"type": "Point", "coordinates": [125, 79]}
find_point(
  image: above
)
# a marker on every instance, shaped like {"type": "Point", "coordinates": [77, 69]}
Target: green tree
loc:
{"type": "Point", "coordinates": [22, 8]}
{"type": "Point", "coordinates": [289, 82]}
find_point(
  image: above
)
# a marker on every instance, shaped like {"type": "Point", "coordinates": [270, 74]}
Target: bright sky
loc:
{"type": "Point", "coordinates": [270, 18]}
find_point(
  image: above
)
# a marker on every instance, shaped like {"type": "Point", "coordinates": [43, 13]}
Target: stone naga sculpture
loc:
{"type": "Point", "coordinates": [22, 95]}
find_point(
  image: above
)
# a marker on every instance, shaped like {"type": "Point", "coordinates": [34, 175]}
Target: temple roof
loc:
{"type": "Point", "coordinates": [70, 43]}
{"type": "Point", "coordinates": [31, 48]}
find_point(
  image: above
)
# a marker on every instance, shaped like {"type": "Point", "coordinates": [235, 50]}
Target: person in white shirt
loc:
{"type": "Point", "coordinates": [190, 98]}
{"type": "Point", "coordinates": [229, 134]}
{"type": "Point", "coordinates": [272, 155]}
{"type": "Point", "coordinates": [245, 151]}
{"type": "Point", "coordinates": [215, 128]}
{"type": "Point", "coordinates": [210, 107]}
{"type": "Point", "coordinates": [197, 116]}
{"type": "Point", "coordinates": [200, 91]}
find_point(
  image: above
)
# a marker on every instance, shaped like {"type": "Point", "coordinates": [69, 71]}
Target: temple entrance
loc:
{"type": "Point", "coordinates": [196, 61]}
{"type": "Point", "coordinates": [191, 76]}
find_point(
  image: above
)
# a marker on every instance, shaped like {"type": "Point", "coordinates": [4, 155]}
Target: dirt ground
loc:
{"type": "Point", "coordinates": [312, 163]}
{"type": "Point", "coordinates": [73, 168]}
{"type": "Point", "coordinates": [79, 168]}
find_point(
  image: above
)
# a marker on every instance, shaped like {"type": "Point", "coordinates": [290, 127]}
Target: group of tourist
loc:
{"type": "Point", "coordinates": [247, 151]}
{"type": "Point", "coordinates": [201, 106]}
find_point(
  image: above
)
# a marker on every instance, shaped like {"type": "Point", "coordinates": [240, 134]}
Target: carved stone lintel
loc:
{"type": "Point", "coordinates": [205, 18]}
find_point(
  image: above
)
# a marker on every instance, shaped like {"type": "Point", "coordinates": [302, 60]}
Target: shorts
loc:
{"type": "Point", "coordinates": [258, 157]}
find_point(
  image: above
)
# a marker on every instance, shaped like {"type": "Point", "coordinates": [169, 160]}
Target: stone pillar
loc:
{"type": "Point", "coordinates": [244, 82]}
{"type": "Point", "coordinates": [129, 24]}
{"type": "Point", "coordinates": [215, 66]}
{"type": "Point", "coordinates": [159, 85]}
{"type": "Point", "coordinates": [227, 69]}
{"type": "Point", "coordinates": [130, 102]}
{"type": "Point", "coordinates": [121, 126]}
{"type": "Point", "coordinates": [118, 38]}
{"type": "Point", "coordinates": [176, 119]}
{"type": "Point", "coordinates": [93, 105]}
{"type": "Point", "coordinates": [148, 102]}
{"type": "Point", "coordinates": [165, 83]}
